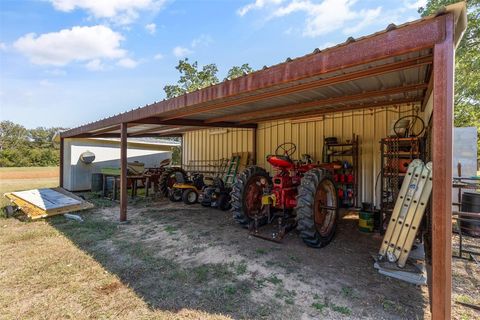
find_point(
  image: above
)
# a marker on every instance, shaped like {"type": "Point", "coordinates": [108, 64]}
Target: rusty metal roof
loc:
{"type": "Point", "coordinates": [390, 67]}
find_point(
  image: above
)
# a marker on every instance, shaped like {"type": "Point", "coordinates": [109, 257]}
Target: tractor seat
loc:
{"type": "Point", "coordinates": [280, 161]}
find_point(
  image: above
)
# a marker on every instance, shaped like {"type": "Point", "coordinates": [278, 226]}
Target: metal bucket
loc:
{"type": "Point", "coordinates": [365, 221]}
{"type": "Point", "coordinates": [97, 182]}
{"type": "Point", "coordinates": [470, 225]}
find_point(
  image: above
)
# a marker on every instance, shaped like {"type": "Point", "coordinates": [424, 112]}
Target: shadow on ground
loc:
{"type": "Point", "coordinates": [176, 256]}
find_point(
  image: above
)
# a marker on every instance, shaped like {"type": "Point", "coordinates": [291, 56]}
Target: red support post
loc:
{"type": "Point", "coordinates": [123, 172]}
{"type": "Point", "coordinates": [62, 148]}
{"type": "Point", "coordinates": [442, 139]}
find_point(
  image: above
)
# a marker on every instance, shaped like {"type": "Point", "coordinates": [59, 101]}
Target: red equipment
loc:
{"type": "Point", "coordinates": [258, 199]}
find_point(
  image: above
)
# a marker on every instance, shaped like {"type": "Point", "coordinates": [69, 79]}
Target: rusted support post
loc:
{"type": "Point", "coordinates": [443, 73]}
{"type": "Point", "coordinates": [123, 172]}
{"type": "Point", "coordinates": [62, 147]}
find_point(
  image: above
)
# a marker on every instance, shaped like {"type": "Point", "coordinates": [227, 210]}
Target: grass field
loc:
{"type": "Point", "coordinates": [16, 179]}
{"type": "Point", "coordinates": [173, 261]}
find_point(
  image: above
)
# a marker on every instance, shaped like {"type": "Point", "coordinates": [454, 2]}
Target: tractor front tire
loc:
{"type": "Point", "coordinates": [168, 178]}
{"type": "Point", "coordinates": [315, 224]}
{"type": "Point", "coordinates": [239, 194]}
{"type": "Point", "coordinates": [189, 196]}
{"type": "Point", "coordinates": [175, 195]}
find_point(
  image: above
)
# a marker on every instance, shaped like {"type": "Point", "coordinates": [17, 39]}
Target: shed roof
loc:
{"type": "Point", "coordinates": [390, 67]}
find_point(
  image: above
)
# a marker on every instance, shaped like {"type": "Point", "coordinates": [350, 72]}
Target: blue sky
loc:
{"type": "Point", "coordinates": [68, 62]}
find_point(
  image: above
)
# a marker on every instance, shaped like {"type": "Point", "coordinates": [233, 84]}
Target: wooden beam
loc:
{"type": "Point", "coordinates": [298, 107]}
{"type": "Point", "coordinates": [123, 172]}
{"type": "Point", "coordinates": [441, 219]}
{"type": "Point", "coordinates": [62, 155]}
{"type": "Point", "coordinates": [407, 64]}
{"type": "Point", "coordinates": [364, 105]}
{"type": "Point", "coordinates": [411, 37]}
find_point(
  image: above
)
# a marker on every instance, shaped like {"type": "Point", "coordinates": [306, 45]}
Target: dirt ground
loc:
{"type": "Point", "coordinates": [175, 261]}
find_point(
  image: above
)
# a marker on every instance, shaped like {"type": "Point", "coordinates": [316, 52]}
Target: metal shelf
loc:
{"type": "Point", "coordinates": [391, 177]}
{"type": "Point", "coordinates": [336, 149]}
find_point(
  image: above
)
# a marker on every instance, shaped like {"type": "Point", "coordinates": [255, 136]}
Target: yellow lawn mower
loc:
{"type": "Point", "coordinates": [188, 190]}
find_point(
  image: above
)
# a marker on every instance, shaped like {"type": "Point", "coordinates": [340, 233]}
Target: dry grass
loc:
{"type": "Point", "coordinates": [17, 179]}
{"type": "Point", "coordinates": [28, 172]}
{"type": "Point", "coordinates": [185, 262]}
{"type": "Point", "coordinates": [43, 275]}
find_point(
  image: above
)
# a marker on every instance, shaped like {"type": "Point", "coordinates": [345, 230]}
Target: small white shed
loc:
{"type": "Point", "coordinates": [78, 174]}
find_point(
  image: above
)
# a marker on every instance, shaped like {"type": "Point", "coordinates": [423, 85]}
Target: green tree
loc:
{"type": "Point", "coordinates": [42, 137]}
{"type": "Point", "coordinates": [236, 71]}
{"type": "Point", "coordinates": [192, 78]}
{"type": "Point", "coordinates": [467, 64]}
{"type": "Point", "coordinates": [12, 135]}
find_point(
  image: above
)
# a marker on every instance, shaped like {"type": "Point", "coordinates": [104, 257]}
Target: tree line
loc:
{"type": "Point", "coordinates": [22, 147]}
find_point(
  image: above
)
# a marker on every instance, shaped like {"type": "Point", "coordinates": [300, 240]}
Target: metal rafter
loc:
{"type": "Point", "coordinates": [298, 107]}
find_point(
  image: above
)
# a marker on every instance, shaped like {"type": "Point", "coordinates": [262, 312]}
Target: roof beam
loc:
{"type": "Point", "coordinates": [393, 67]}
{"type": "Point", "coordinates": [194, 123]}
{"type": "Point", "coordinates": [411, 37]}
{"type": "Point", "coordinates": [150, 130]}
{"type": "Point", "coordinates": [291, 108]}
{"type": "Point", "coordinates": [179, 131]}
{"type": "Point", "coordinates": [351, 107]}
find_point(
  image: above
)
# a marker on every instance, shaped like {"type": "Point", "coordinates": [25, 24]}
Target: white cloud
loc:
{"type": "Point", "coordinates": [158, 56]}
{"type": "Point", "coordinates": [3, 46]}
{"type": "Point", "coordinates": [322, 17]}
{"type": "Point", "coordinates": [181, 52]}
{"type": "Point", "coordinates": [414, 4]}
{"type": "Point", "coordinates": [151, 28]}
{"type": "Point", "coordinates": [326, 45]}
{"type": "Point", "coordinates": [56, 72]}
{"type": "Point", "coordinates": [45, 83]}
{"type": "Point", "coordinates": [127, 63]}
{"type": "Point", "coordinates": [202, 40]}
{"type": "Point", "coordinates": [118, 11]}
{"type": "Point", "coordinates": [95, 65]}
{"type": "Point", "coordinates": [67, 45]}
{"type": "Point", "coordinates": [258, 4]}
{"type": "Point", "coordinates": [369, 17]}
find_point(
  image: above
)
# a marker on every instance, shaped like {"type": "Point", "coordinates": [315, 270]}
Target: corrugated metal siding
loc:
{"type": "Point", "coordinates": [215, 144]}
{"type": "Point", "coordinates": [369, 125]}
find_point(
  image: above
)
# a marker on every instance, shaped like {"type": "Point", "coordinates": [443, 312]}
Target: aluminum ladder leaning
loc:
{"type": "Point", "coordinates": [407, 213]}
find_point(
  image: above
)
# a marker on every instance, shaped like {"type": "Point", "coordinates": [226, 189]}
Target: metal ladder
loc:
{"type": "Point", "coordinates": [231, 174]}
{"type": "Point", "coordinates": [407, 213]}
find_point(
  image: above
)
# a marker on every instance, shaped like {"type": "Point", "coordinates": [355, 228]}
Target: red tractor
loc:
{"type": "Point", "coordinates": [301, 195]}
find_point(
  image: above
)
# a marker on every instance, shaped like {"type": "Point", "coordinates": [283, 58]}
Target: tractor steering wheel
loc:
{"type": "Point", "coordinates": [288, 148]}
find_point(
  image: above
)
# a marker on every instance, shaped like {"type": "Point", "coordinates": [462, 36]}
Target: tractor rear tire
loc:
{"type": "Point", "coordinates": [238, 194]}
{"type": "Point", "coordinates": [316, 225]}
{"type": "Point", "coordinates": [168, 178]}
